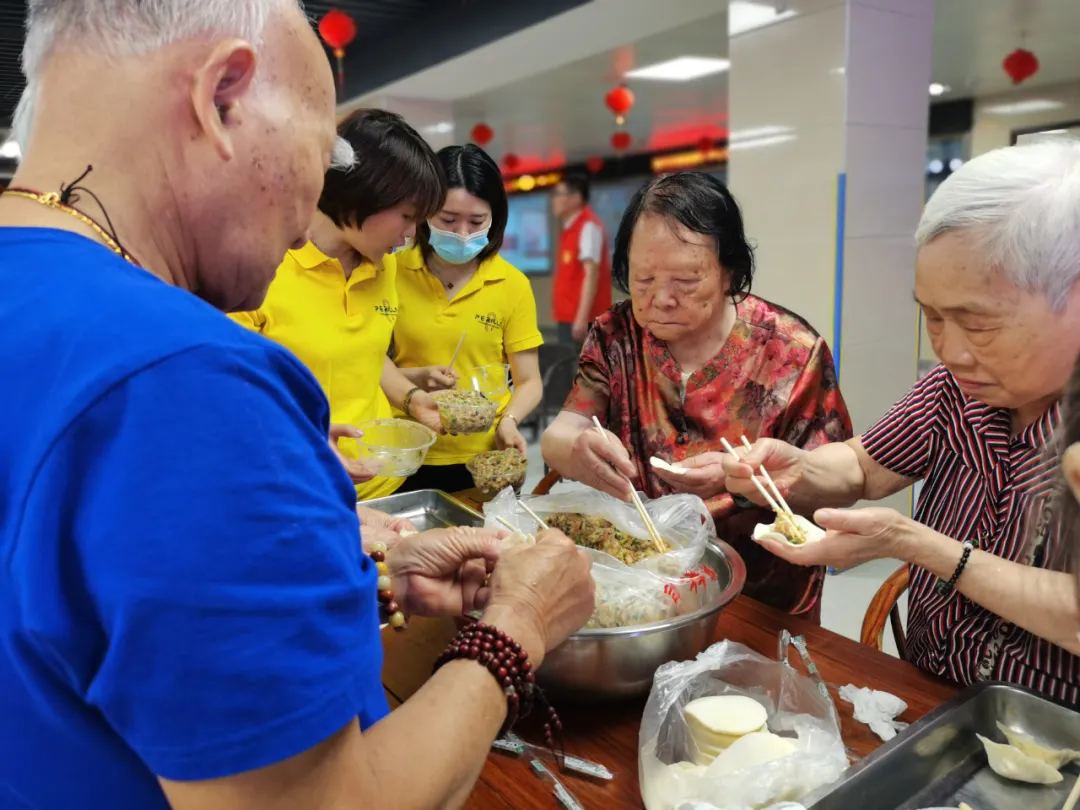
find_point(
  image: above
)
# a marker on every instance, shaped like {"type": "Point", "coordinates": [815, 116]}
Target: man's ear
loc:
{"type": "Point", "coordinates": [221, 82]}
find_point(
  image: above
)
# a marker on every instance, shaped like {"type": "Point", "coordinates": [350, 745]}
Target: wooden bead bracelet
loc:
{"type": "Point", "coordinates": [389, 610]}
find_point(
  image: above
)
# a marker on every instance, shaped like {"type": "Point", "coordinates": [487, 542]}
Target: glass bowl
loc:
{"type": "Point", "coordinates": [491, 381]}
{"type": "Point", "coordinates": [464, 411]}
{"type": "Point", "coordinates": [394, 448]}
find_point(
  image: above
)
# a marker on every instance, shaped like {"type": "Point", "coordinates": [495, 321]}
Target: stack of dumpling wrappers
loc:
{"type": "Point", "coordinates": [729, 734]}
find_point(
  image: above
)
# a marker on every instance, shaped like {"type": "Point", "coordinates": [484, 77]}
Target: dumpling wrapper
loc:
{"type": "Point", "coordinates": [517, 538]}
{"type": "Point", "coordinates": [1054, 757]}
{"type": "Point", "coordinates": [812, 531]}
{"type": "Point", "coordinates": [664, 466]}
{"type": "Point", "coordinates": [752, 750]}
{"type": "Point", "coordinates": [726, 714]}
{"type": "Point", "coordinates": [1012, 763]}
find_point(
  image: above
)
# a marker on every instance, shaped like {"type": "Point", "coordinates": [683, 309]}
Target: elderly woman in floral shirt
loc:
{"type": "Point", "coordinates": [690, 360]}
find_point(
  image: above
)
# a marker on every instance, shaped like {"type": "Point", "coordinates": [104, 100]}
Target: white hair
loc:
{"type": "Point", "coordinates": [128, 27]}
{"type": "Point", "coordinates": [343, 158]}
{"type": "Point", "coordinates": [1022, 206]}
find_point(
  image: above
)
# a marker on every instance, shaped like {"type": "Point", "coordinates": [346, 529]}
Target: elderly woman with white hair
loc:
{"type": "Point", "coordinates": [996, 277]}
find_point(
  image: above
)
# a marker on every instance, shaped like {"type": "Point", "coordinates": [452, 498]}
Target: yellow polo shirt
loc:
{"type": "Point", "coordinates": [497, 311]}
{"type": "Point", "coordinates": [340, 330]}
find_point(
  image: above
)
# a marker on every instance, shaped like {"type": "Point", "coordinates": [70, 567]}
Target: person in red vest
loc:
{"type": "Point", "coordinates": [582, 288]}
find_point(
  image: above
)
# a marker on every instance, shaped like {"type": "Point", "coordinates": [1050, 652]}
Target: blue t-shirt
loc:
{"type": "Point", "coordinates": [183, 592]}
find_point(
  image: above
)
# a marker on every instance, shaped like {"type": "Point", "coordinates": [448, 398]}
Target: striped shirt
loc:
{"type": "Point", "coordinates": [985, 485]}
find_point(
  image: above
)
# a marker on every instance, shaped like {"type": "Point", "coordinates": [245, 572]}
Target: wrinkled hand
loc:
{"type": "Point", "coordinates": [442, 572]}
{"type": "Point", "coordinates": [600, 461]}
{"type": "Point", "coordinates": [541, 594]}
{"type": "Point", "coordinates": [782, 460]}
{"type": "Point", "coordinates": [373, 518]}
{"type": "Point", "coordinates": [424, 409]}
{"type": "Point", "coordinates": [356, 469]}
{"type": "Point", "coordinates": [507, 435]}
{"type": "Point", "coordinates": [852, 537]}
{"type": "Point", "coordinates": [438, 378]}
{"type": "Point", "coordinates": [702, 475]}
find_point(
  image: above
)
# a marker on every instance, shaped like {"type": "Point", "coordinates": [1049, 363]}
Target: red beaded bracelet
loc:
{"type": "Point", "coordinates": [389, 610]}
{"type": "Point", "coordinates": [509, 663]}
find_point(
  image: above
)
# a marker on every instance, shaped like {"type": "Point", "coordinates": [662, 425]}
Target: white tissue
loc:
{"type": "Point", "coordinates": [878, 710]}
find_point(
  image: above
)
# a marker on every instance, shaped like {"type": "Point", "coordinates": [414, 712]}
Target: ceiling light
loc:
{"type": "Point", "coordinates": [1023, 107]}
{"type": "Point", "coordinates": [746, 16]}
{"type": "Point", "coordinates": [935, 166]}
{"type": "Point", "coordinates": [10, 150]}
{"type": "Point", "coordinates": [440, 128]}
{"type": "Point", "coordinates": [757, 132]}
{"type": "Point", "coordinates": [682, 69]}
{"type": "Point", "coordinates": [955, 164]}
{"type": "Point", "coordinates": [937, 89]}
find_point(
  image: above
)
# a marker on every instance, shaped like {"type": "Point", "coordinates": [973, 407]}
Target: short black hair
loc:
{"type": "Point", "coordinates": [471, 168]}
{"type": "Point", "coordinates": [577, 184]}
{"type": "Point", "coordinates": [701, 204]}
{"type": "Point", "coordinates": [394, 165]}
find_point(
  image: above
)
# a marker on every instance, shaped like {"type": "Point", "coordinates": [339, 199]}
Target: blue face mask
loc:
{"type": "Point", "coordinates": [457, 249]}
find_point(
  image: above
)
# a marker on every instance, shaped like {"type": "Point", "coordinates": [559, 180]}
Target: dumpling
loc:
{"type": "Point", "coordinates": [781, 530]}
{"type": "Point", "coordinates": [1055, 758]}
{"type": "Point", "coordinates": [1012, 763]}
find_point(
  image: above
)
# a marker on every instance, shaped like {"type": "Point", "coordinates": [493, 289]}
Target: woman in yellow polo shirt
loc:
{"type": "Point", "coordinates": [452, 282]}
{"type": "Point", "coordinates": [334, 301]}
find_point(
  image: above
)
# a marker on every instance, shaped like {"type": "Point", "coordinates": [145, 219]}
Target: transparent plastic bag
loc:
{"type": "Point", "coordinates": [682, 520]}
{"type": "Point", "coordinates": [797, 709]}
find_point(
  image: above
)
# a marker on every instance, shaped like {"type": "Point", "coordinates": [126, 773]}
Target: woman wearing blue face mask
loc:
{"type": "Point", "coordinates": [452, 283]}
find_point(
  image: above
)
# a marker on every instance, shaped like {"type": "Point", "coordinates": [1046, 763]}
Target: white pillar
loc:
{"type": "Point", "coordinates": [431, 118]}
{"type": "Point", "coordinates": [828, 109]}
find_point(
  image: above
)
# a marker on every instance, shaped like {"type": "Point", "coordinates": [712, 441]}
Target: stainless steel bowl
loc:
{"type": "Point", "coordinates": [620, 662]}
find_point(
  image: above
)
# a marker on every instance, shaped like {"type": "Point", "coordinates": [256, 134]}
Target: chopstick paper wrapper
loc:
{"type": "Point", "coordinates": [513, 744]}
{"type": "Point", "coordinates": [565, 797]}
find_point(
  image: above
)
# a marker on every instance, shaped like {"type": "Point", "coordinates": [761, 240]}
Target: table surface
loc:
{"type": "Point", "coordinates": [608, 732]}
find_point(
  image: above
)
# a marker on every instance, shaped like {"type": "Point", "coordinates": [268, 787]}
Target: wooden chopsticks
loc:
{"type": "Point", "coordinates": [457, 351]}
{"type": "Point", "coordinates": [654, 535]}
{"type": "Point", "coordinates": [771, 495]}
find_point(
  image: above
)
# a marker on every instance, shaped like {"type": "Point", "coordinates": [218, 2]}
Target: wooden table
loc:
{"type": "Point", "coordinates": [608, 733]}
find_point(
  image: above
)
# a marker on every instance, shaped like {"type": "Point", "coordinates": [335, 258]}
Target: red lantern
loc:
{"type": "Point", "coordinates": [511, 161]}
{"type": "Point", "coordinates": [338, 31]}
{"type": "Point", "coordinates": [594, 164]}
{"type": "Point", "coordinates": [1020, 65]}
{"type": "Point", "coordinates": [705, 144]}
{"type": "Point", "coordinates": [621, 140]}
{"type": "Point", "coordinates": [482, 134]}
{"type": "Point", "coordinates": [620, 100]}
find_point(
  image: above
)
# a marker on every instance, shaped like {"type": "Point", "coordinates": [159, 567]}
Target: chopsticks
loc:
{"type": "Point", "coordinates": [507, 524]}
{"type": "Point", "coordinates": [457, 351]}
{"type": "Point", "coordinates": [654, 535]}
{"type": "Point", "coordinates": [1073, 798]}
{"type": "Point", "coordinates": [771, 495]}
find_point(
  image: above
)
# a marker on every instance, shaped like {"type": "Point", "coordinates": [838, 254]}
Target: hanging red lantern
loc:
{"type": "Point", "coordinates": [482, 134]}
{"type": "Point", "coordinates": [511, 161]}
{"type": "Point", "coordinates": [705, 144]}
{"type": "Point", "coordinates": [594, 164]}
{"type": "Point", "coordinates": [338, 31]}
{"type": "Point", "coordinates": [621, 140]}
{"type": "Point", "coordinates": [1020, 65]}
{"type": "Point", "coordinates": [620, 100]}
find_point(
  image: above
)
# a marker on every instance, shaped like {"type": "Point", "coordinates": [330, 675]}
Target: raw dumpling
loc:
{"type": "Point", "coordinates": [750, 751]}
{"type": "Point", "coordinates": [664, 466]}
{"type": "Point", "coordinates": [1055, 758]}
{"type": "Point", "coordinates": [781, 530]}
{"type": "Point", "coordinates": [517, 539]}
{"type": "Point", "coordinates": [1012, 763]}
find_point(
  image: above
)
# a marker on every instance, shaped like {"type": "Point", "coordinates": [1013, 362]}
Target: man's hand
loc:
{"type": "Point", "coordinates": [507, 435]}
{"type": "Point", "coordinates": [852, 537]}
{"type": "Point", "coordinates": [442, 572]}
{"type": "Point", "coordinates": [356, 469]}
{"type": "Point", "coordinates": [373, 518]}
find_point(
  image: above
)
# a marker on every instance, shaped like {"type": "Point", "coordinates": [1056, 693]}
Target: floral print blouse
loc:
{"type": "Point", "coordinates": [773, 378]}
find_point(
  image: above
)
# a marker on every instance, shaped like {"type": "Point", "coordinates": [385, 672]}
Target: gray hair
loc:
{"type": "Point", "coordinates": [343, 158]}
{"type": "Point", "coordinates": [128, 27]}
{"type": "Point", "coordinates": [1022, 206]}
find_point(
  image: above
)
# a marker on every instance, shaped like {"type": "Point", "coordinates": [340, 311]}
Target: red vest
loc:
{"type": "Point", "coordinates": [570, 273]}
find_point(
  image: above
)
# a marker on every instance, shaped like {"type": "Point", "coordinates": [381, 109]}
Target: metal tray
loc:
{"type": "Point", "coordinates": [938, 761]}
{"type": "Point", "coordinates": [428, 509]}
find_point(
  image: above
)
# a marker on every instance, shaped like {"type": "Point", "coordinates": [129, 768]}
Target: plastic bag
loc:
{"type": "Point", "coordinates": [682, 520]}
{"type": "Point", "coordinates": [797, 709]}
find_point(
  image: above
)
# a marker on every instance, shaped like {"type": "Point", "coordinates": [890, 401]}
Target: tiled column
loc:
{"type": "Point", "coordinates": [828, 109]}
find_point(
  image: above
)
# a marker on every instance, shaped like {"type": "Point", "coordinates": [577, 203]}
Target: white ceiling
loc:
{"type": "Point", "coordinates": [542, 89]}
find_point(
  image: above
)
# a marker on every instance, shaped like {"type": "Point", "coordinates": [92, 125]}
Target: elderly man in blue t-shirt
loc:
{"type": "Point", "coordinates": [187, 617]}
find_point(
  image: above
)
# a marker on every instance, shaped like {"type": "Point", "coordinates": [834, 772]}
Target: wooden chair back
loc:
{"type": "Point", "coordinates": [884, 607]}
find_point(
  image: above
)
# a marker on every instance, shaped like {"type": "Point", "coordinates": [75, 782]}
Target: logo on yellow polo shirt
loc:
{"type": "Point", "coordinates": [490, 322]}
{"type": "Point", "coordinates": [386, 310]}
